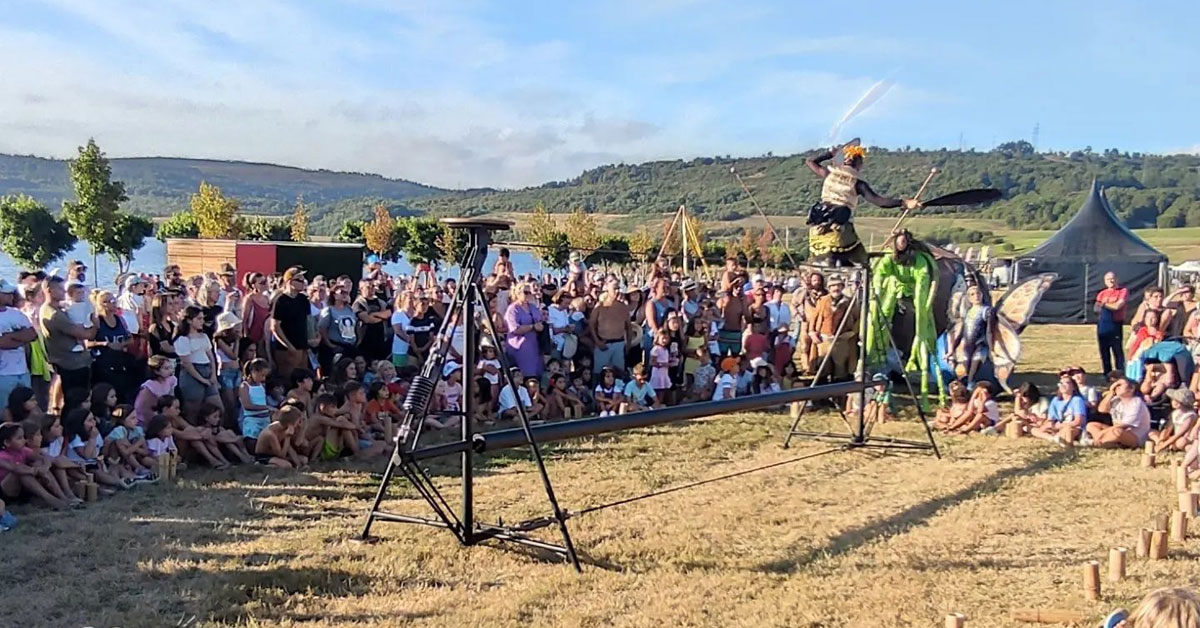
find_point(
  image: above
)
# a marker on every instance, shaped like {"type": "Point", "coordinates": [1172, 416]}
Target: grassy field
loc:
{"type": "Point", "coordinates": [846, 539]}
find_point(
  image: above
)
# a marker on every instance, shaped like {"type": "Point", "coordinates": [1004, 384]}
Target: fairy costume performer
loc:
{"type": "Point", "coordinates": [908, 274]}
{"type": "Point", "coordinates": [969, 343]}
{"type": "Point", "coordinates": [832, 240]}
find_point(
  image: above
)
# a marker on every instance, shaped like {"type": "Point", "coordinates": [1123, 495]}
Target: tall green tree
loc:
{"type": "Point", "coordinates": [180, 225]}
{"type": "Point", "coordinates": [351, 231]}
{"type": "Point", "coordinates": [299, 225]}
{"type": "Point", "coordinates": [582, 231]}
{"type": "Point", "coordinates": [93, 214]}
{"type": "Point", "coordinates": [452, 244]}
{"type": "Point", "coordinates": [216, 214]}
{"type": "Point", "coordinates": [30, 234]}
{"type": "Point", "coordinates": [420, 240]}
{"type": "Point", "coordinates": [127, 235]}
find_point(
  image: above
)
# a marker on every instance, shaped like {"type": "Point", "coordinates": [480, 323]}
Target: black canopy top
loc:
{"type": "Point", "coordinates": [1095, 234]}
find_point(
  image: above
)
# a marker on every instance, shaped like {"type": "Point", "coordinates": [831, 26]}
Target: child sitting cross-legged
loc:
{"type": "Point", "coordinates": [54, 449]}
{"type": "Point", "coordinates": [1029, 408]}
{"type": "Point", "coordinates": [382, 411]}
{"type": "Point", "coordinates": [274, 444]}
{"type": "Point", "coordinates": [226, 440]}
{"type": "Point", "coordinates": [561, 403]}
{"type": "Point", "coordinates": [959, 405]}
{"type": "Point", "coordinates": [125, 446]}
{"type": "Point", "coordinates": [43, 463]}
{"type": "Point", "coordinates": [18, 476]}
{"type": "Point", "coordinates": [1180, 428]}
{"type": "Point", "coordinates": [160, 438]}
{"type": "Point", "coordinates": [639, 394]}
{"type": "Point", "coordinates": [982, 411]}
{"type": "Point", "coordinates": [84, 443]}
{"type": "Point", "coordinates": [354, 407]}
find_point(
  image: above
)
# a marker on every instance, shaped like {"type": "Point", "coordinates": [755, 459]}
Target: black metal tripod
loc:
{"type": "Point", "coordinates": [466, 308]}
{"type": "Point", "coordinates": [860, 435]}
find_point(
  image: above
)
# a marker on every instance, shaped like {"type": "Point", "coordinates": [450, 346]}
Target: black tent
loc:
{"type": "Point", "coordinates": [1093, 243]}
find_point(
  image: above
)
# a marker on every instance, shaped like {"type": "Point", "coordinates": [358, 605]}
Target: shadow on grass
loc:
{"type": "Point", "coordinates": [915, 515]}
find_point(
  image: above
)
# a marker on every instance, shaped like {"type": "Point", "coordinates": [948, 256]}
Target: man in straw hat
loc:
{"type": "Point", "coordinates": [832, 240]}
{"type": "Point", "coordinates": [832, 309]}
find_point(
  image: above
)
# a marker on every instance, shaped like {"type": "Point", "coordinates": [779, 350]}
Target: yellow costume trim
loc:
{"type": "Point", "coordinates": [850, 152]}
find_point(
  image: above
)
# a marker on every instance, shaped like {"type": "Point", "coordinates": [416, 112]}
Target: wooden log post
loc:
{"type": "Point", "coordinates": [1012, 429]}
{"type": "Point", "coordinates": [1187, 504]}
{"type": "Point", "coordinates": [956, 620]}
{"type": "Point", "coordinates": [1148, 461]}
{"type": "Point", "coordinates": [1091, 580]}
{"type": "Point", "coordinates": [1182, 482]}
{"type": "Point", "coordinates": [1179, 526]}
{"type": "Point", "coordinates": [1116, 564]}
{"type": "Point", "coordinates": [1143, 543]}
{"type": "Point", "coordinates": [92, 492]}
{"type": "Point", "coordinates": [1158, 545]}
{"type": "Point", "coordinates": [1161, 522]}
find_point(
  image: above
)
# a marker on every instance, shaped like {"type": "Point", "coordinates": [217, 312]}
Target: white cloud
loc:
{"type": "Point", "coordinates": [441, 98]}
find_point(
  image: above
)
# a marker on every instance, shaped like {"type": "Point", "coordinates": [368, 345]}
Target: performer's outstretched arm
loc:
{"type": "Point", "coordinates": [865, 191]}
{"type": "Point", "coordinates": [815, 163]}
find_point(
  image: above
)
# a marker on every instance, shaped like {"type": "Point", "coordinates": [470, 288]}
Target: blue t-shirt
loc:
{"type": "Point", "coordinates": [1060, 408]}
{"type": "Point", "coordinates": [642, 395]}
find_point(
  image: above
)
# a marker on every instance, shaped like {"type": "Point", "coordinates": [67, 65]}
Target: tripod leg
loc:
{"type": "Point", "coordinates": [559, 515]}
{"type": "Point", "coordinates": [917, 401]}
{"type": "Point", "coordinates": [820, 372]}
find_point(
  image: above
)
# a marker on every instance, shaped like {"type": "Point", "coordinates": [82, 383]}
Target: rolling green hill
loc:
{"type": "Point", "coordinates": [1041, 190]}
{"type": "Point", "coordinates": [160, 186]}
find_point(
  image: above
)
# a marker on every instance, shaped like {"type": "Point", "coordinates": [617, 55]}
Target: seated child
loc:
{"type": "Point", "coordinates": [382, 411]}
{"type": "Point", "coordinates": [226, 440]}
{"type": "Point", "coordinates": [982, 410]}
{"type": "Point", "coordinates": [509, 399]}
{"type": "Point", "coordinates": [537, 400]}
{"type": "Point", "coordinates": [959, 405]}
{"type": "Point", "coordinates": [725, 386]}
{"type": "Point", "coordinates": [639, 394]}
{"type": "Point", "coordinates": [160, 439]}
{"type": "Point", "coordinates": [18, 477]}
{"type": "Point", "coordinates": [879, 401]}
{"type": "Point", "coordinates": [1180, 429]}
{"type": "Point", "coordinates": [703, 379]}
{"type": "Point", "coordinates": [191, 438]}
{"type": "Point", "coordinates": [252, 395]}
{"type": "Point", "coordinates": [609, 393]}
{"type": "Point", "coordinates": [54, 449]}
{"type": "Point", "coordinates": [560, 402]}
{"type": "Point", "coordinates": [1067, 408]}
{"type": "Point", "coordinates": [274, 444]}
{"type": "Point", "coordinates": [126, 445]}
{"type": "Point", "coordinates": [354, 408]}
{"type": "Point", "coordinates": [44, 463]}
{"type": "Point", "coordinates": [1029, 408]}
{"type": "Point", "coordinates": [301, 391]}
{"type": "Point", "coordinates": [84, 443]}
{"type": "Point", "coordinates": [448, 393]}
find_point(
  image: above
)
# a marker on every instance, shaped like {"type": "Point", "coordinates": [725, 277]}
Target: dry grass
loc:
{"type": "Point", "coordinates": [848, 539]}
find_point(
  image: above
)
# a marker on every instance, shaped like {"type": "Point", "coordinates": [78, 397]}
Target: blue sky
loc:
{"type": "Point", "coordinates": [471, 93]}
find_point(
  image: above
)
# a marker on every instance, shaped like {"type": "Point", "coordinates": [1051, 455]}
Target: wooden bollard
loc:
{"type": "Point", "coordinates": [1181, 479]}
{"type": "Point", "coordinates": [1048, 616]}
{"type": "Point", "coordinates": [1187, 503]}
{"type": "Point", "coordinates": [1148, 461]}
{"type": "Point", "coordinates": [1116, 564]}
{"type": "Point", "coordinates": [92, 492]}
{"type": "Point", "coordinates": [174, 465]}
{"type": "Point", "coordinates": [164, 467]}
{"type": "Point", "coordinates": [1091, 580]}
{"type": "Point", "coordinates": [1143, 543]}
{"type": "Point", "coordinates": [1161, 522]}
{"type": "Point", "coordinates": [1012, 429]}
{"type": "Point", "coordinates": [1158, 545]}
{"type": "Point", "coordinates": [1179, 525]}
{"type": "Point", "coordinates": [956, 620]}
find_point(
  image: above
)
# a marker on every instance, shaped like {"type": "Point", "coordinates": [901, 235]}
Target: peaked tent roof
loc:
{"type": "Point", "coordinates": [1095, 234]}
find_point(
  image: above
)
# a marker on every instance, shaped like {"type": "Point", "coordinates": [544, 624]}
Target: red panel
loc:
{"type": "Point", "coordinates": [254, 258]}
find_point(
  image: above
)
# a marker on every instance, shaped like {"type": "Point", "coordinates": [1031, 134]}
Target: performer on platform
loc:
{"type": "Point", "coordinates": [832, 240]}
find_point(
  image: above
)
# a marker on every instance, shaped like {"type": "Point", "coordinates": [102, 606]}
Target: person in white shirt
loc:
{"type": "Point", "coordinates": [1130, 418]}
{"type": "Point", "coordinates": [558, 315]}
{"type": "Point", "coordinates": [15, 333]}
{"type": "Point", "coordinates": [79, 309]}
{"type": "Point", "coordinates": [508, 401]}
{"type": "Point", "coordinates": [780, 313]}
{"type": "Point", "coordinates": [726, 385]}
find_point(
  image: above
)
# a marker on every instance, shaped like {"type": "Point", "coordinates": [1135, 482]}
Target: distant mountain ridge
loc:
{"type": "Point", "coordinates": [160, 186]}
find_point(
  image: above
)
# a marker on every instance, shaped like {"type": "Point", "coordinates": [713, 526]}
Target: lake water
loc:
{"type": "Point", "coordinates": [153, 256]}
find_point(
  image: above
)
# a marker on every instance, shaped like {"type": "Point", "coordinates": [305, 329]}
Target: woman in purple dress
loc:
{"type": "Point", "coordinates": [524, 321]}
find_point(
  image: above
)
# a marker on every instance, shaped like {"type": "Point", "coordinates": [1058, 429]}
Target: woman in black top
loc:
{"type": "Point", "coordinates": [162, 325]}
{"type": "Point", "coordinates": [111, 362]}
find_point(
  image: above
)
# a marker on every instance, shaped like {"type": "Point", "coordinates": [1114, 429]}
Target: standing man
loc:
{"type": "Point", "coordinates": [607, 325]}
{"type": "Point", "coordinates": [289, 324]}
{"type": "Point", "coordinates": [374, 313]}
{"type": "Point", "coordinates": [74, 368]}
{"type": "Point", "coordinates": [1110, 316]}
{"type": "Point", "coordinates": [16, 332]}
{"type": "Point", "coordinates": [231, 298]}
{"type": "Point", "coordinates": [830, 336]}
